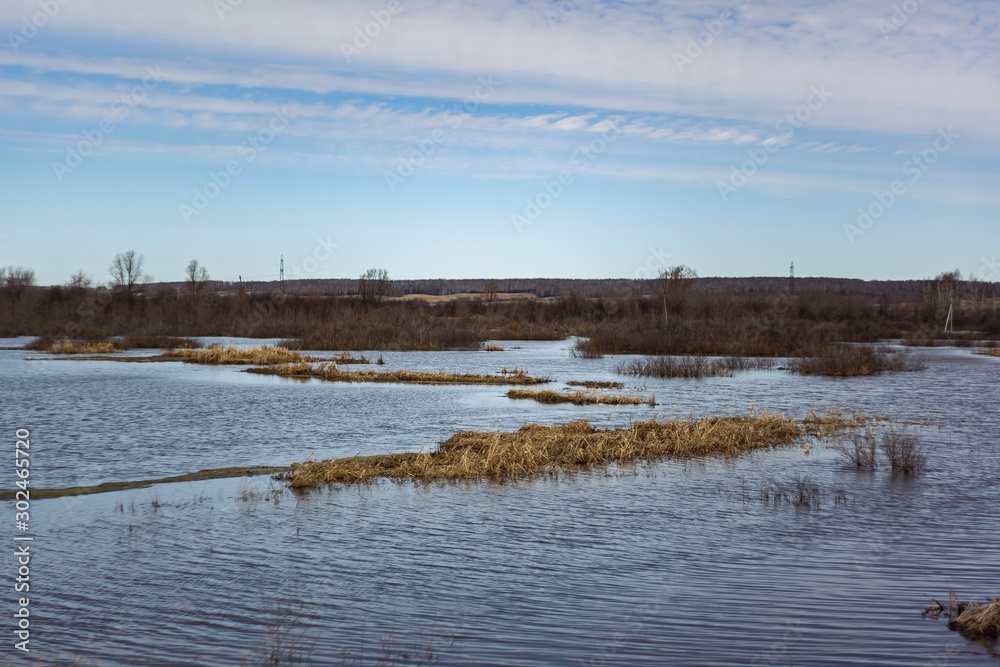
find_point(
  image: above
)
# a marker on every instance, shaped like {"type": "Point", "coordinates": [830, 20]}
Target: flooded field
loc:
{"type": "Point", "coordinates": [680, 562]}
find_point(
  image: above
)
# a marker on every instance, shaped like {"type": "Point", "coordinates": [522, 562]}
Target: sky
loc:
{"type": "Point", "coordinates": [452, 139]}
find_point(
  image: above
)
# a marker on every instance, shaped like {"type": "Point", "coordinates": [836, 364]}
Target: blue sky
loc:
{"type": "Point", "coordinates": [733, 137]}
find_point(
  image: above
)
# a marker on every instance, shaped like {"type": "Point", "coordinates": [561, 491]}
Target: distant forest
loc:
{"type": "Point", "coordinates": [904, 290]}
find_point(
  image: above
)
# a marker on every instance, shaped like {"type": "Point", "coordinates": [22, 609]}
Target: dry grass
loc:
{"type": "Point", "coordinates": [93, 347]}
{"type": "Point", "coordinates": [980, 621]}
{"type": "Point", "coordinates": [329, 371]}
{"type": "Point", "coordinates": [594, 384]}
{"type": "Point", "coordinates": [989, 351]}
{"type": "Point", "coordinates": [534, 450]}
{"type": "Point", "coordinates": [853, 360]}
{"type": "Point", "coordinates": [590, 397]}
{"type": "Point", "coordinates": [972, 620]}
{"type": "Point", "coordinates": [691, 367]}
{"type": "Point", "coordinates": [218, 355]}
{"type": "Point", "coordinates": [490, 347]}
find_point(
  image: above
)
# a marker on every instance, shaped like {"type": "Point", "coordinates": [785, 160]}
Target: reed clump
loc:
{"type": "Point", "coordinates": [490, 347]}
{"type": "Point", "coordinates": [989, 351]}
{"type": "Point", "coordinates": [329, 371]}
{"type": "Point", "coordinates": [691, 367]}
{"type": "Point", "coordinates": [594, 384]}
{"type": "Point", "coordinates": [589, 397]}
{"type": "Point", "coordinates": [853, 360]}
{"type": "Point", "coordinates": [217, 355]}
{"type": "Point", "coordinates": [972, 620]}
{"type": "Point", "coordinates": [534, 450]}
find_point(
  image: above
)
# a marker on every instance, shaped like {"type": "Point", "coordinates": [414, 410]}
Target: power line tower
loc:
{"type": "Point", "coordinates": [791, 279]}
{"type": "Point", "coordinates": [281, 274]}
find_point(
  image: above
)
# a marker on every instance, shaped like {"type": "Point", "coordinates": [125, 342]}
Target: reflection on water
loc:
{"type": "Point", "coordinates": [677, 563]}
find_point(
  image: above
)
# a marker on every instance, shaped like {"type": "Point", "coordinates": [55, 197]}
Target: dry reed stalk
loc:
{"type": "Point", "coordinates": [591, 397]}
{"type": "Point", "coordinates": [534, 450]}
{"type": "Point", "coordinates": [330, 372]}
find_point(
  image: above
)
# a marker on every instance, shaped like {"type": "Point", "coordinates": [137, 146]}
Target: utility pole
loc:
{"type": "Point", "coordinates": [281, 274]}
{"type": "Point", "coordinates": [791, 279]}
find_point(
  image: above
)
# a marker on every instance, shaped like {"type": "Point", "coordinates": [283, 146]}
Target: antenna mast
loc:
{"type": "Point", "coordinates": [281, 274]}
{"type": "Point", "coordinates": [791, 279]}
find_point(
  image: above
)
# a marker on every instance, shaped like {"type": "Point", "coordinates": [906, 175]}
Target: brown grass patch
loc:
{"type": "Point", "coordinates": [329, 371]}
{"type": "Point", "coordinates": [990, 352]}
{"type": "Point", "coordinates": [591, 397]}
{"type": "Point", "coordinates": [92, 347]}
{"type": "Point", "coordinates": [534, 450]}
{"type": "Point", "coordinates": [594, 384]}
{"type": "Point", "coordinates": [490, 347]}
{"type": "Point", "coordinates": [218, 355]}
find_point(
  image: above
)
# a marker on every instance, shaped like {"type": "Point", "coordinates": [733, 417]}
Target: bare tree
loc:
{"type": "Point", "coordinates": [126, 273]}
{"type": "Point", "coordinates": [670, 282]}
{"type": "Point", "coordinates": [80, 281]}
{"type": "Point", "coordinates": [16, 279]}
{"type": "Point", "coordinates": [374, 286]}
{"type": "Point", "coordinates": [197, 277]}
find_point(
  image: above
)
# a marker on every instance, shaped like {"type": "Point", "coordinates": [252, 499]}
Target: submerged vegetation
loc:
{"type": "Point", "coordinates": [329, 371]}
{"type": "Point", "coordinates": [853, 360]}
{"type": "Point", "coordinates": [902, 451]}
{"type": "Point", "coordinates": [691, 367]}
{"type": "Point", "coordinates": [535, 450]}
{"type": "Point", "coordinates": [591, 397]}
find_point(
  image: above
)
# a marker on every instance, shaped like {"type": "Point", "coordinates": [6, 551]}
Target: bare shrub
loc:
{"type": "Point", "coordinates": [859, 449]}
{"type": "Point", "coordinates": [903, 452]}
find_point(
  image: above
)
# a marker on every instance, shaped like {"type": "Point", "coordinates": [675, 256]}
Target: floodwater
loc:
{"type": "Point", "coordinates": [678, 563]}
